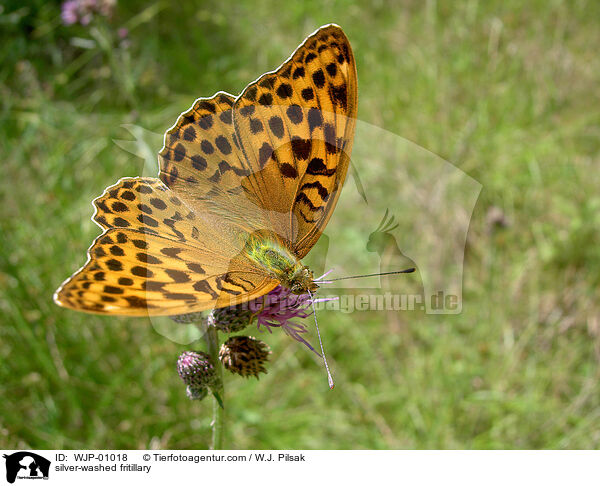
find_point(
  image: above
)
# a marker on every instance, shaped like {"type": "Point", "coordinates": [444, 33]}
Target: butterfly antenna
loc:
{"type": "Point", "coordinates": [408, 270]}
{"type": "Point", "coordinates": [329, 377]}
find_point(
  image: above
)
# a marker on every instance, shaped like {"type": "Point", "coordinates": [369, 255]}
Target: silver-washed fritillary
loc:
{"type": "Point", "coordinates": [245, 188]}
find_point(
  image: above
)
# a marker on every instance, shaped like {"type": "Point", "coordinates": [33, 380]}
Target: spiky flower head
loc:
{"type": "Point", "coordinates": [244, 355]}
{"type": "Point", "coordinates": [231, 319]}
{"type": "Point", "coordinates": [195, 392]}
{"type": "Point", "coordinates": [279, 307]}
{"type": "Point", "coordinates": [196, 369]}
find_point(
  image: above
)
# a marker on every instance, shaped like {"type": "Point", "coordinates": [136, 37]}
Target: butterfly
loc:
{"type": "Point", "coordinates": [245, 188]}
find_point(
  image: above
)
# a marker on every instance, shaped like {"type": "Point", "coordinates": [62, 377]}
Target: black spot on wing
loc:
{"type": "Point", "coordinates": [128, 195]}
{"type": "Point", "coordinates": [180, 296]}
{"type": "Point", "coordinates": [199, 162]}
{"type": "Point", "coordinates": [301, 148]}
{"type": "Point", "coordinates": [121, 223]}
{"type": "Point", "coordinates": [189, 134]}
{"type": "Point", "coordinates": [250, 93]}
{"type": "Point", "coordinates": [178, 153]}
{"type": "Point", "coordinates": [205, 122]}
{"type": "Point", "coordinates": [315, 118]}
{"type": "Point", "coordinates": [171, 252]}
{"type": "Point", "coordinates": [256, 126]}
{"type": "Point", "coordinates": [247, 110]}
{"type": "Point", "coordinates": [117, 250]}
{"type": "Point", "coordinates": [294, 113]}
{"type": "Point", "coordinates": [339, 95]}
{"type": "Point", "coordinates": [195, 267]}
{"type": "Point", "coordinates": [316, 166]}
{"type": "Point", "coordinates": [324, 193]}
{"type": "Point", "coordinates": [308, 94]}
{"type": "Point", "coordinates": [208, 106]}
{"type": "Point", "coordinates": [303, 198]}
{"type": "Point", "coordinates": [137, 302]}
{"type": "Point", "coordinates": [318, 78]}
{"type": "Point", "coordinates": [276, 126]}
{"type": "Point", "coordinates": [264, 154]}
{"type": "Point", "coordinates": [298, 73]}
{"type": "Point", "coordinates": [288, 170]}
{"type": "Point", "coordinates": [285, 90]}
{"type": "Point", "coordinates": [265, 99]}
{"type": "Point", "coordinates": [223, 145]}
{"type": "Point", "coordinates": [119, 207]}
{"type": "Point", "coordinates": [177, 275]}
{"type": "Point", "coordinates": [207, 147]}
{"type": "Point", "coordinates": [146, 258]}
{"type": "Point", "coordinates": [204, 286]}
{"type": "Point", "coordinates": [309, 57]}
{"type": "Point", "coordinates": [109, 289]}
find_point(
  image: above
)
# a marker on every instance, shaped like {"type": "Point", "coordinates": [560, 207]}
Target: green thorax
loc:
{"type": "Point", "coordinates": [280, 263]}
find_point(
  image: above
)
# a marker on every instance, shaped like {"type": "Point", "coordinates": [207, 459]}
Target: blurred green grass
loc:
{"type": "Point", "coordinates": [508, 91]}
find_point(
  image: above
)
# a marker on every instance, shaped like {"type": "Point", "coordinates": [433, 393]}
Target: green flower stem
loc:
{"type": "Point", "coordinates": [218, 423]}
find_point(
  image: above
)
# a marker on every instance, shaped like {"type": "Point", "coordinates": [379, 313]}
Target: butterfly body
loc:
{"type": "Point", "coordinates": [279, 262]}
{"type": "Point", "coordinates": [245, 188]}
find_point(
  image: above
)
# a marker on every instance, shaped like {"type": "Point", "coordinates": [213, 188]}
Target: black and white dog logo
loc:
{"type": "Point", "coordinates": [26, 465]}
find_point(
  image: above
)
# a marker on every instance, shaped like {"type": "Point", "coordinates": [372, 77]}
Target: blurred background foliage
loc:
{"type": "Point", "coordinates": [508, 91]}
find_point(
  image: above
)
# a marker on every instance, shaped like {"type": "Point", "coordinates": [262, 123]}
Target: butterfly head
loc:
{"type": "Point", "coordinates": [301, 281]}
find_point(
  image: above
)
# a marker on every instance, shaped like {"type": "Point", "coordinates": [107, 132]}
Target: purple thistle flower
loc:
{"type": "Point", "coordinates": [279, 307]}
{"type": "Point", "coordinates": [69, 12]}
{"type": "Point", "coordinates": [196, 369]}
{"type": "Point", "coordinates": [82, 11]}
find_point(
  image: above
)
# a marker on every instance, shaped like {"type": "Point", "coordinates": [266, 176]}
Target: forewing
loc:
{"type": "Point", "coordinates": [295, 127]}
{"type": "Point", "coordinates": [201, 157]}
{"type": "Point", "coordinates": [201, 162]}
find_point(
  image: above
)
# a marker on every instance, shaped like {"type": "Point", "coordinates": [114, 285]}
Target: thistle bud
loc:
{"type": "Point", "coordinates": [244, 355]}
{"type": "Point", "coordinates": [196, 369]}
{"type": "Point", "coordinates": [231, 319]}
{"type": "Point", "coordinates": [196, 393]}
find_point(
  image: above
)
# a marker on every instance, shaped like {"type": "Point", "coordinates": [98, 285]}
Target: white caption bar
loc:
{"type": "Point", "coordinates": [291, 467]}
